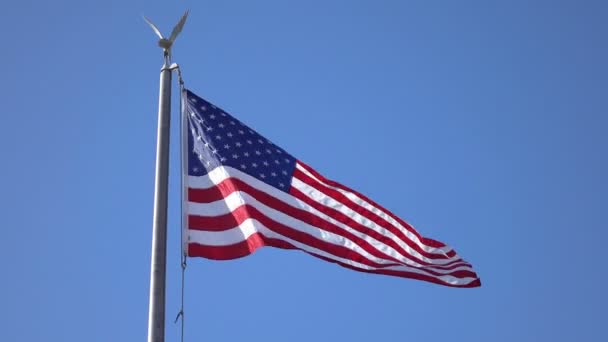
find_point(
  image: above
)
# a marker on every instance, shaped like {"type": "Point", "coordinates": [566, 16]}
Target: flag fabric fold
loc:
{"type": "Point", "coordinates": [243, 192]}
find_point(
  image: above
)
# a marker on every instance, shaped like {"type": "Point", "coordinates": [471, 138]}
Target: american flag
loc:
{"type": "Point", "coordinates": [244, 192]}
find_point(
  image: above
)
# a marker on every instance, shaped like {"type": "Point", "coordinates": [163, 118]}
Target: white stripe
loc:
{"type": "Point", "coordinates": [330, 202]}
{"type": "Point", "coordinates": [251, 226]}
{"type": "Point", "coordinates": [221, 173]}
{"type": "Point", "coordinates": [380, 213]}
{"type": "Point", "coordinates": [238, 198]}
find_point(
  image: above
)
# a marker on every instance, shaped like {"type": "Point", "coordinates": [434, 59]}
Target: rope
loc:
{"type": "Point", "coordinates": [180, 314]}
{"type": "Point", "coordinates": [181, 311]}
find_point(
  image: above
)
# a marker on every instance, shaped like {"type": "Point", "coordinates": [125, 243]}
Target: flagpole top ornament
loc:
{"type": "Point", "coordinates": [167, 43]}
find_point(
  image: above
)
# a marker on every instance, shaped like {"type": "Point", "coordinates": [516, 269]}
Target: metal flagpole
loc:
{"type": "Point", "coordinates": [156, 313]}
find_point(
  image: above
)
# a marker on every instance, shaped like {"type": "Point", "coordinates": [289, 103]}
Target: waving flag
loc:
{"type": "Point", "coordinates": [244, 192]}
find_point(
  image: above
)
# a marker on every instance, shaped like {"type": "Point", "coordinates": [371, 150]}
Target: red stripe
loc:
{"type": "Point", "coordinates": [338, 196]}
{"type": "Point", "coordinates": [343, 199]}
{"type": "Point", "coordinates": [347, 220]}
{"type": "Point", "coordinates": [244, 212]}
{"type": "Point", "coordinates": [403, 274]}
{"type": "Point", "coordinates": [258, 240]}
{"type": "Point", "coordinates": [230, 220]}
{"type": "Point", "coordinates": [237, 250]}
{"type": "Point", "coordinates": [427, 241]}
{"type": "Point", "coordinates": [230, 185]}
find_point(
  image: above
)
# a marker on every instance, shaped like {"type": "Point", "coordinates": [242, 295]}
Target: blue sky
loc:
{"type": "Point", "coordinates": [481, 123]}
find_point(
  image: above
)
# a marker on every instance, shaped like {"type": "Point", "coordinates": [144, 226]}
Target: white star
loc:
{"type": "Point", "coordinates": [273, 174]}
{"type": "Point", "coordinates": [222, 159]}
{"type": "Point", "coordinates": [218, 137]}
{"type": "Point", "coordinates": [203, 108]}
{"type": "Point", "coordinates": [199, 138]}
{"type": "Point", "coordinates": [276, 161]}
{"type": "Point", "coordinates": [260, 141]}
{"type": "Point", "coordinates": [238, 144]}
{"type": "Point", "coordinates": [258, 152]}
{"type": "Point", "coordinates": [192, 114]}
{"type": "Point", "coordinates": [223, 114]}
{"type": "Point", "coordinates": [268, 151]}
{"type": "Point", "coordinates": [241, 131]}
{"type": "Point", "coordinates": [235, 156]}
{"type": "Point", "coordinates": [221, 125]}
{"type": "Point", "coordinates": [249, 142]}
{"type": "Point", "coordinates": [211, 116]}
{"type": "Point", "coordinates": [262, 175]}
{"type": "Point", "coordinates": [254, 164]}
{"type": "Point", "coordinates": [250, 131]}
{"type": "Point", "coordinates": [243, 166]}
{"type": "Point", "coordinates": [232, 122]}
{"type": "Point", "coordinates": [281, 185]}
{"type": "Point", "coordinates": [206, 144]}
{"type": "Point", "coordinates": [193, 99]}
{"type": "Point", "coordinates": [209, 129]}
{"type": "Point", "coordinates": [246, 154]}
{"type": "Point", "coordinates": [229, 135]}
{"type": "Point", "coordinates": [284, 172]}
{"type": "Point", "coordinates": [279, 151]}
{"type": "Point", "coordinates": [265, 163]}
{"type": "Point", "coordinates": [227, 146]}
{"type": "Point", "coordinates": [287, 160]}
{"type": "Point", "coordinates": [195, 169]}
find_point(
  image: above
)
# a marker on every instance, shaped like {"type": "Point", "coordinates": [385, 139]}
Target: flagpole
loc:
{"type": "Point", "coordinates": [158, 263]}
{"type": "Point", "coordinates": [156, 314]}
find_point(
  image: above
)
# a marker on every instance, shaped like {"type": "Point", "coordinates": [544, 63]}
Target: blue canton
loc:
{"type": "Point", "coordinates": [216, 138]}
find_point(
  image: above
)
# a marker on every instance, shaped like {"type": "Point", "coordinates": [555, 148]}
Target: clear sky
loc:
{"type": "Point", "coordinates": [481, 123]}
